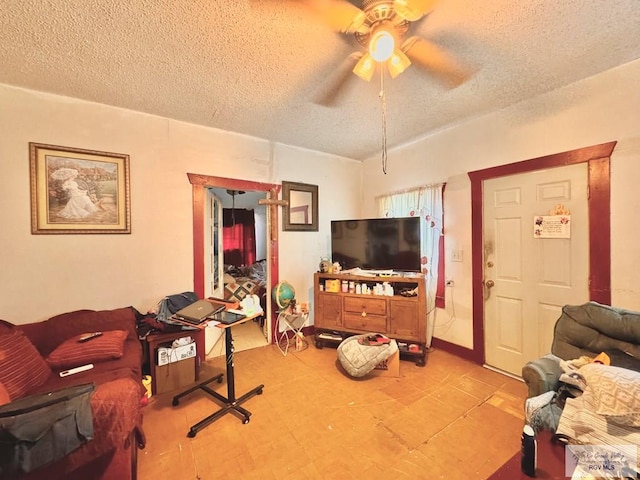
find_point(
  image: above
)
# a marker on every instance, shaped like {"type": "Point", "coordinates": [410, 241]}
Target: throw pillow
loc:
{"type": "Point", "coordinates": [21, 365]}
{"type": "Point", "coordinates": [237, 291]}
{"type": "Point", "coordinates": [616, 392]}
{"type": "Point", "coordinates": [72, 353]}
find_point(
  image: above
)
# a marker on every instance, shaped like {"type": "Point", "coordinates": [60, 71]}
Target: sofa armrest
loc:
{"type": "Point", "coordinates": [542, 375]}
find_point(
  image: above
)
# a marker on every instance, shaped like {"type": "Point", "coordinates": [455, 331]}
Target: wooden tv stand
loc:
{"type": "Point", "coordinates": [338, 315]}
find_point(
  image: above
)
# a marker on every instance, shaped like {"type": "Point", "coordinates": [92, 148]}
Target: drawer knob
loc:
{"type": "Point", "coordinates": [364, 314]}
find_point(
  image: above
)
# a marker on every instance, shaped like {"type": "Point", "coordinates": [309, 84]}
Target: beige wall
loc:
{"type": "Point", "coordinates": [43, 275]}
{"type": "Point", "coordinates": [600, 109]}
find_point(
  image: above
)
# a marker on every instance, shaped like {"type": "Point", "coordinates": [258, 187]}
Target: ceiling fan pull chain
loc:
{"type": "Point", "coordinates": [384, 123]}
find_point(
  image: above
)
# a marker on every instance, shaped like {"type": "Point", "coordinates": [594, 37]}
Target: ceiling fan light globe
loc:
{"type": "Point", "coordinates": [398, 63]}
{"type": "Point", "coordinates": [365, 67]}
{"type": "Point", "coordinates": [382, 45]}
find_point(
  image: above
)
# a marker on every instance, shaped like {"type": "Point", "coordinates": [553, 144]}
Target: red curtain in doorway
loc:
{"type": "Point", "coordinates": [238, 236]}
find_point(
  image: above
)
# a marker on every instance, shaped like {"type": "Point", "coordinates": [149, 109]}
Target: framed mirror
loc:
{"type": "Point", "coordinates": [301, 214]}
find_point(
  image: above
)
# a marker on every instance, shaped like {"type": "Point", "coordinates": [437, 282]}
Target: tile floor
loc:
{"type": "Point", "coordinates": [451, 419]}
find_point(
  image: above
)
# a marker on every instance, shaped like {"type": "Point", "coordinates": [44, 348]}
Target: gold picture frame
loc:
{"type": "Point", "coordinates": [301, 212]}
{"type": "Point", "coordinates": [78, 191]}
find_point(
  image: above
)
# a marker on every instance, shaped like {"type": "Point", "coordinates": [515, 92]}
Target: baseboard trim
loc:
{"type": "Point", "coordinates": [457, 350]}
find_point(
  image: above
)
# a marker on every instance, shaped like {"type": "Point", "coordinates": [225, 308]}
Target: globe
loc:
{"type": "Point", "coordinates": [282, 294]}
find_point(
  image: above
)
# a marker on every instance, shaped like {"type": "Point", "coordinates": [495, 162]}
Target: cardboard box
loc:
{"type": "Point", "coordinates": [168, 355]}
{"type": "Point", "coordinates": [175, 375]}
{"type": "Point", "coordinates": [389, 367]}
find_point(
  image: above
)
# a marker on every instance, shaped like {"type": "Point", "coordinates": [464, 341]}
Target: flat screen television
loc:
{"type": "Point", "coordinates": [377, 243]}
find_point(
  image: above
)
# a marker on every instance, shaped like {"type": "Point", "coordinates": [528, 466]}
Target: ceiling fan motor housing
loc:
{"type": "Point", "coordinates": [381, 15]}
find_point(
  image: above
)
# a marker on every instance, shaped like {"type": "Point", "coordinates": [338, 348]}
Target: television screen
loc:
{"type": "Point", "coordinates": [377, 244]}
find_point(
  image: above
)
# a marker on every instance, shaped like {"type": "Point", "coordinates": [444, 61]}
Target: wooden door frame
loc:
{"type": "Point", "coordinates": [198, 185]}
{"type": "Point", "coordinates": [598, 161]}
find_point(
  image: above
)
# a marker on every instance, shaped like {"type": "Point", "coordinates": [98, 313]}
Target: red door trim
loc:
{"type": "Point", "coordinates": [598, 159]}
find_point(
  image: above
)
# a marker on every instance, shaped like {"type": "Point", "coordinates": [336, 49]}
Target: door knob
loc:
{"type": "Point", "coordinates": [489, 283]}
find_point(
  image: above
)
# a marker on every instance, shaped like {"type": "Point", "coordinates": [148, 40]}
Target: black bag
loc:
{"type": "Point", "coordinates": [40, 429]}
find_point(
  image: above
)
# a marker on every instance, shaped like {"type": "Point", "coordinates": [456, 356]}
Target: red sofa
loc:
{"type": "Point", "coordinates": [116, 402]}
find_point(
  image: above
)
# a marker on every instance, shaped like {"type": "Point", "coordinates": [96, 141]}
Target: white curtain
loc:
{"type": "Point", "coordinates": [425, 202]}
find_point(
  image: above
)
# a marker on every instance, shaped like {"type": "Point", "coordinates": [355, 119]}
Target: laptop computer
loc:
{"type": "Point", "coordinates": [199, 311]}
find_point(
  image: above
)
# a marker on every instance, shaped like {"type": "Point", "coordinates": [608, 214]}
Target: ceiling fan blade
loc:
{"type": "Point", "coordinates": [436, 60]}
{"type": "Point", "coordinates": [413, 10]}
{"type": "Point", "coordinates": [330, 93]}
{"type": "Point", "coordinates": [340, 15]}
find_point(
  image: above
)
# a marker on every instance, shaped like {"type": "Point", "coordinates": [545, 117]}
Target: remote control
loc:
{"type": "Point", "coordinates": [71, 371]}
{"type": "Point", "coordinates": [89, 336]}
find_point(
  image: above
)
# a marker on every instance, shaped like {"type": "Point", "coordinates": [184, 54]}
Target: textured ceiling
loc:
{"type": "Point", "coordinates": [256, 66]}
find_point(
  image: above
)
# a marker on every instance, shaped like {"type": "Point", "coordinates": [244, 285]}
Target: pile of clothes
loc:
{"type": "Point", "coordinates": [543, 412]}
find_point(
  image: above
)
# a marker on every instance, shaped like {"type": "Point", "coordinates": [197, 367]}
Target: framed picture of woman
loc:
{"type": "Point", "coordinates": [78, 191]}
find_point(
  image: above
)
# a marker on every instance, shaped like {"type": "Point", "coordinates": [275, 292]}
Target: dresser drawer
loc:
{"type": "Point", "coordinates": [368, 323]}
{"type": "Point", "coordinates": [370, 306]}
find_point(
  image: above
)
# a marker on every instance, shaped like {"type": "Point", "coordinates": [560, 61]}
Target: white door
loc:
{"type": "Point", "coordinates": [214, 261]}
{"type": "Point", "coordinates": [527, 279]}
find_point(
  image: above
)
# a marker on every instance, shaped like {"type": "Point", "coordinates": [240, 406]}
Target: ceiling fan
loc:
{"type": "Point", "coordinates": [381, 26]}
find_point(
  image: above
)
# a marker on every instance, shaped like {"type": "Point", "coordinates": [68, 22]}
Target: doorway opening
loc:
{"type": "Point", "coordinates": [206, 237]}
{"type": "Point", "coordinates": [236, 261]}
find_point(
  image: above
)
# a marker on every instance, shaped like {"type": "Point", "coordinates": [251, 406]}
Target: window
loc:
{"type": "Point", "coordinates": [426, 202]}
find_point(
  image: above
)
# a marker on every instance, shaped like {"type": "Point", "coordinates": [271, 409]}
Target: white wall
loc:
{"type": "Point", "coordinates": [600, 109]}
{"type": "Point", "coordinates": [339, 196]}
{"type": "Point", "coordinates": [43, 275]}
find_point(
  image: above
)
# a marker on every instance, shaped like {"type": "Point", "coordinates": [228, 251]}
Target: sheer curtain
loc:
{"type": "Point", "coordinates": [425, 202]}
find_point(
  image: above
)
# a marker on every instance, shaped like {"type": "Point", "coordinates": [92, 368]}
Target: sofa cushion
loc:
{"type": "Point", "coordinates": [616, 392]}
{"type": "Point", "coordinates": [592, 328]}
{"type": "Point", "coordinates": [21, 366]}
{"type": "Point", "coordinates": [72, 353]}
